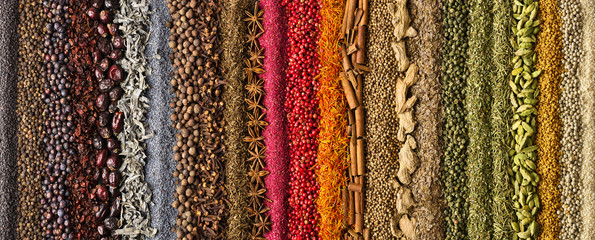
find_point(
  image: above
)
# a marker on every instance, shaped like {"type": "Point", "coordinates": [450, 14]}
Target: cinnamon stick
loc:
{"type": "Point", "coordinates": [349, 92]}
{"type": "Point", "coordinates": [360, 157]}
{"type": "Point", "coordinates": [366, 14]}
{"type": "Point", "coordinates": [361, 44]}
{"type": "Point", "coordinates": [353, 155]}
{"type": "Point", "coordinates": [355, 187]}
{"type": "Point", "coordinates": [351, 5]}
{"type": "Point", "coordinates": [359, 121]}
{"type": "Point", "coordinates": [346, 60]}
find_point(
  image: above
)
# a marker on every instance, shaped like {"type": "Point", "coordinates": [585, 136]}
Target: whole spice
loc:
{"type": "Point", "coordinates": [425, 51]}
{"type": "Point", "coordinates": [132, 19]}
{"type": "Point", "coordinates": [201, 198]}
{"type": "Point", "coordinates": [56, 220]}
{"type": "Point", "coordinates": [454, 72]}
{"type": "Point", "coordinates": [274, 44]}
{"type": "Point", "coordinates": [259, 220]}
{"type": "Point", "coordinates": [243, 195]}
{"type": "Point", "coordinates": [500, 118]}
{"type": "Point", "coordinates": [333, 143]}
{"type": "Point", "coordinates": [477, 101]}
{"type": "Point", "coordinates": [571, 111]}
{"type": "Point", "coordinates": [381, 124]}
{"type": "Point", "coordinates": [523, 84]}
{"type": "Point", "coordinates": [549, 62]}
{"type": "Point", "coordinates": [587, 97]}
{"type": "Point", "coordinates": [30, 107]}
{"type": "Point", "coordinates": [302, 116]}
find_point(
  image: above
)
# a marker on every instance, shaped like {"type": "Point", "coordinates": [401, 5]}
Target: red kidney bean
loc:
{"type": "Point", "coordinates": [118, 122]}
{"type": "Point", "coordinates": [101, 158]}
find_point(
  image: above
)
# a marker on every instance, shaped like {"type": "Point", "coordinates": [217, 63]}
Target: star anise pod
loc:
{"type": "Point", "coordinates": [250, 70]}
{"type": "Point", "coordinates": [257, 121]}
{"type": "Point", "coordinates": [256, 56]}
{"type": "Point", "coordinates": [255, 88]}
{"type": "Point", "coordinates": [256, 155]}
{"type": "Point", "coordinates": [256, 194]}
{"type": "Point", "coordinates": [254, 139]}
{"type": "Point", "coordinates": [252, 39]}
{"type": "Point", "coordinates": [262, 223]}
{"type": "Point", "coordinates": [256, 174]}
{"type": "Point", "coordinates": [254, 19]}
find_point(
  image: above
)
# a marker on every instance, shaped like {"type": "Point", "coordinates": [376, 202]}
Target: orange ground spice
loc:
{"type": "Point", "coordinates": [332, 140]}
{"type": "Point", "coordinates": [549, 60]}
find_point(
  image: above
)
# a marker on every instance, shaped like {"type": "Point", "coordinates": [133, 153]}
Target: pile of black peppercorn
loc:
{"type": "Point", "coordinates": [58, 127]}
{"type": "Point", "coordinates": [109, 121]}
{"type": "Point", "coordinates": [29, 109]}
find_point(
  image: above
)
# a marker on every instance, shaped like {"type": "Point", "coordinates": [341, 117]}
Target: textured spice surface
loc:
{"type": "Point", "coordinates": [134, 19]}
{"type": "Point", "coordinates": [274, 45]}
{"type": "Point", "coordinates": [571, 111]}
{"type": "Point", "coordinates": [160, 162]}
{"type": "Point", "coordinates": [381, 123]}
{"type": "Point", "coordinates": [477, 104]}
{"type": "Point", "coordinates": [303, 114]}
{"type": "Point", "coordinates": [8, 119]}
{"type": "Point", "coordinates": [587, 92]}
{"type": "Point", "coordinates": [29, 109]}
{"type": "Point", "coordinates": [549, 60]}
{"type": "Point", "coordinates": [500, 120]}
{"type": "Point", "coordinates": [425, 51]}
{"type": "Point", "coordinates": [233, 32]}
{"type": "Point", "coordinates": [332, 149]}
{"type": "Point", "coordinates": [454, 72]}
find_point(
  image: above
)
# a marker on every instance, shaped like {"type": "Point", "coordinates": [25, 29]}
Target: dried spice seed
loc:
{"type": "Point", "coordinates": [301, 104]}
{"type": "Point", "coordinates": [571, 111]}
{"type": "Point", "coordinates": [587, 98]}
{"type": "Point", "coordinates": [199, 150]}
{"type": "Point", "coordinates": [454, 72]}
{"type": "Point", "coordinates": [30, 109]}
{"type": "Point", "coordinates": [549, 63]}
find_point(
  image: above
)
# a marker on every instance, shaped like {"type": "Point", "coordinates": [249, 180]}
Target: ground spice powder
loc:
{"type": "Point", "coordinates": [549, 60]}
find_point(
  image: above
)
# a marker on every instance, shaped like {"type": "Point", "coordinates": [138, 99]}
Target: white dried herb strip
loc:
{"type": "Point", "coordinates": [259, 220]}
{"type": "Point", "coordinates": [134, 21]}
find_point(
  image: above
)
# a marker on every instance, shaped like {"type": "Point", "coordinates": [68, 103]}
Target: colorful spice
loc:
{"type": "Point", "coordinates": [587, 97]}
{"type": "Point", "coordinates": [201, 197]}
{"type": "Point", "coordinates": [454, 72]}
{"type": "Point", "coordinates": [426, 186]}
{"type": "Point", "coordinates": [500, 118]}
{"type": "Point", "coordinates": [523, 97]}
{"type": "Point", "coordinates": [303, 116]}
{"type": "Point", "coordinates": [30, 107]}
{"type": "Point", "coordinates": [83, 37]}
{"type": "Point", "coordinates": [571, 111]}
{"type": "Point", "coordinates": [332, 154]}
{"type": "Point", "coordinates": [133, 17]}
{"type": "Point", "coordinates": [59, 148]}
{"type": "Point", "coordinates": [549, 61]}
{"type": "Point", "coordinates": [274, 44]}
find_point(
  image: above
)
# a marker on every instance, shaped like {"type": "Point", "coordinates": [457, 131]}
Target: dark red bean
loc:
{"type": "Point", "coordinates": [106, 85]}
{"type": "Point", "coordinates": [105, 132]}
{"type": "Point", "coordinates": [105, 175]}
{"type": "Point", "coordinates": [100, 211]}
{"type": "Point", "coordinates": [98, 142]}
{"type": "Point", "coordinates": [97, 3]}
{"type": "Point", "coordinates": [114, 178]}
{"type": "Point", "coordinates": [114, 161]}
{"type": "Point", "coordinates": [115, 208]}
{"type": "Point", "coordinates": [116, 93]}
{"type": "Point", "coordinates": [105, 46]}
{"type": "Point", "coordinates": [97, 56]}
{"type": "Point", "coordinates": [102, 102]}
{"type": "Point", "coordinates": [115, 73]}
{"type": "Point", "coordinates": [102, 192]}
{"type": "Point", "coordinates": [93, 13]}
{"type": "Point", "coordinates": [103, 119]}
{"type": "Point", "coordinates": [113, 28]}
{"type": "Point", "coordinates": [115, 55]}
{"type": "Point", "coordinates": [102, 230]}
{"type": "Point", "coordinates": [113, 145]}
{"type": "Point", "coordinates": [118, 122]}
{"type": "Point", "coordinates": [101, 158]}
{"type": "Point", "coordinates": [102, 30]}
{"type": "Point", "coordinates": [118, 42]}
{"type": "Point", "coordinates": [111, 4]}
{"type": "Point", "coordinates": [105, 16]}
{"type": "Point", "coordinates": [104, 64]}
{"type": "Point", "coordinates": [99, 74]}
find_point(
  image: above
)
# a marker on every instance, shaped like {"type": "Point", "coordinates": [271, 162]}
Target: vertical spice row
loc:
{"type": "Point", "coordinates": [59, 141]}
{"type": "Point", "coordinates": [132, 21]}
{"type": "Point", "coordinates": [30, 107]}
{"type": "Point", "coordinates": [239, 192]}
{"type": "Point", "coordinates": [198, 118]}
{"type": "Point", "coordinates": [274, 43]}
{"type": "Point", "coordinates": [587, 97]}
{"type": "Point", "coordinates": [477, 103]}
{"type": "Point", "coordinates": [500, 118]}
{"type": "Point", "coordinates": [332, 155]}
{"type": "Point", "coordinates": [571, 112]}
{"type": "Point", "coordinates": [454, 72]}
{"type": "Point", "coordinates": [549, 62]}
